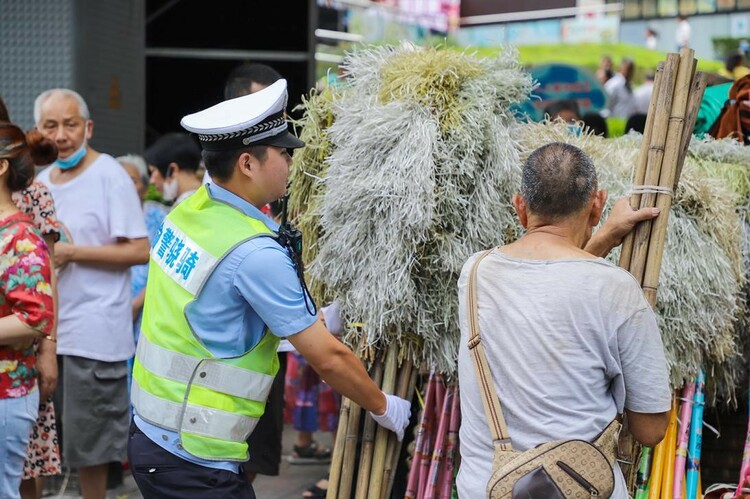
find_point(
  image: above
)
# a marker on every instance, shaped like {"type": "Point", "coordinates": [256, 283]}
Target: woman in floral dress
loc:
{"type": "Point", "coordinates": [26, 306]}
{"type": "Point", "coordinates": [43, 453]}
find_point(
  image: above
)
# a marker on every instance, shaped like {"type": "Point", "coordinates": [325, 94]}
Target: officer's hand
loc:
{"type": "Point", "coordinates": [396, 415]}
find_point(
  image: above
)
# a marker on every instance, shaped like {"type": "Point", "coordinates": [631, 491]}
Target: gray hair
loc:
{"type": "Point", "coordinates": [557, 180]}
{"type": "Point", "coordinates": [139, 163]}
{"type": "Point", "coordinates": [83, 108]}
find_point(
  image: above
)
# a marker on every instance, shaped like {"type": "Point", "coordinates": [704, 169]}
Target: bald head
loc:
{"type": "Point", "coordinates": [557, 181]}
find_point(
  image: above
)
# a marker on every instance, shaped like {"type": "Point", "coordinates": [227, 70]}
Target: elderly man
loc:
{"type": "Point", "coordinates": [204, 366]}
{"type": "Point", "coordinates": [95, 200]}
{"type": "Point", "coordinates": [570, 339]}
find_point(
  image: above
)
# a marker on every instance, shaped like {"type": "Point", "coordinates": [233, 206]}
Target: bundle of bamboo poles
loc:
{"type": "Point", "coordinates": [376, 462]}
{"type": "Point", "coordinates": [436, 445]}
{"type": "Point", "coordinates": [677, 94]}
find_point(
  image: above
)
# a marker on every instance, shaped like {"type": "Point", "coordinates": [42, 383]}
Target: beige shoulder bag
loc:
{"type": "Point", "coordinates": [562, 469]}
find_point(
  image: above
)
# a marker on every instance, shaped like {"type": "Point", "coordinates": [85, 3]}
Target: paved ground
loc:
{"type": "Point", "coordinates": [291, 482]}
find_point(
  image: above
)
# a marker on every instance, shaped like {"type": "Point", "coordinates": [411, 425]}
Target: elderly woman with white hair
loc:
{"type": "Point", "coordinates": [154, 213]}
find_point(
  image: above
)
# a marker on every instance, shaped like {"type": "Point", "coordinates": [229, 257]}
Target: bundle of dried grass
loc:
{"type": "Point", "coordinates": [307, 177]}
{"type": "Point", "coordinates": [420, 175]}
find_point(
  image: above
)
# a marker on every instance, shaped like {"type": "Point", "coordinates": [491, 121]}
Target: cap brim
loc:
{"type": "Point", "coordinates": [285, 140]}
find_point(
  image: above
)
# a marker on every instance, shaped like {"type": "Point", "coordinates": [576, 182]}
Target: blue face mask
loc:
{"type": "Point", "coordinates": [72, 160]}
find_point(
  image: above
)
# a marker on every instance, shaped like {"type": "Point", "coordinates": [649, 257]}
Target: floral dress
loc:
{"type": "Point", "coordinates": [25, 292]}
{"type": "Point", "coordinates": [43, 453]}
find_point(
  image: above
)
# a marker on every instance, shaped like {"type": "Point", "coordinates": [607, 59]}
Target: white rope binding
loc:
{"type": "Point", "coordinates": [651, 189]}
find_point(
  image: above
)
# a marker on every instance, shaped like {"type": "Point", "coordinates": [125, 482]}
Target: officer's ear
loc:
{"type": "Point", "coordinates": [247, 164]}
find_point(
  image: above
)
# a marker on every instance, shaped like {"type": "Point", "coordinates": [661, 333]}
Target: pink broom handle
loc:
{"type": "Point", "coordinates": [745, 460]}
{"type": "Point", "coordinates": [683, 435]}
{"type": "Point", "coordinates": [412, 485]}
{"type": "Point", "coordinates": [437, 453]}
{"type": "Point", "coordinates": [450, 454]}
{"type": "Point", "coordinates": [430, 440]}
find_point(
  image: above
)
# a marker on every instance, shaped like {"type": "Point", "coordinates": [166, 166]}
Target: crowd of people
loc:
{"type": "Point", "coordinates": [78, 293]}
{"type": "Point", "coordinates": [169, 327]}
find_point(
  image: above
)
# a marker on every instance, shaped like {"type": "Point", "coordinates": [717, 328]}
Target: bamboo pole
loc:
{"type": "Point", "coordinates": [655, 156]}
{"type": "Point", "coordinates": [368, 435]}
{"type": "Point", "coordinates": [394, 446]}
{"type": "Point", "coordinates": [339, 452]}
{"type": "Point", "coordinates": [382, 434]}
{"type": "Point", "coordinates": [408, 395]}
{"type": "Point", "coordinates": [350, 450]}
{"type": "Point", "coordinates": [668, 174]}
{"type": "Point", "coordinates": [694, 104]}
{"type": "Point", "coordinates": [639, 174]}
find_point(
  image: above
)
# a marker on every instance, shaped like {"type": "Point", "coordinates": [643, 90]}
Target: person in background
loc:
{"type": "Point", "coordinates": [734, 67]}
{"type": "Point", "coordinates": [174, 160]}
{"type": "Point", "coordinates": [95, 200]}
{"type": "Point", "coordinates": [565, 109]}
{"type": "Point", "coordinates": [604, 71]}
{"type": "Point", "coordinates": [35, 201]}
{"type": "Point", "coordinates": [596, 124]}
{"type": "Point", "coordinates": [27, 309]}
{"type": "Point", "coordinates": [153, 213]}
{"type": "Point", "coordinates": [642, 94]}
{"type": "Point", "coordinates": [585, 343]}
{"type": "Point", "coordinates": [621, 102]}
{"type": "Point", "coordinates": [652, 38]}
{"type": "Point", "coordinates": [682, 33]}
{"type": "Point", "coordinates": [636, 123]}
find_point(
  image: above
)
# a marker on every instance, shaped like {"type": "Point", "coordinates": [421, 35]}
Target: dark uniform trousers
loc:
{"type": "Point", "coordinates": [162, 475]}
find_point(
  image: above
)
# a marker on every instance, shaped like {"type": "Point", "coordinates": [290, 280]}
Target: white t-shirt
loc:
{"type": "Point", "coordinates": [620, 99]}
{"type": "Point", "coordinates": [682, 34]}
{"type": "Point", "coordinates": [95, 312]}
{"type": "Point", "coordinates": [642, 97]}
{"type": "Point", "coordinates": [570, 344]}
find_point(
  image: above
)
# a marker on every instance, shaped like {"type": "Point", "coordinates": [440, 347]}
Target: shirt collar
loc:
{"type": "Point", "coordinates": [220, 194]}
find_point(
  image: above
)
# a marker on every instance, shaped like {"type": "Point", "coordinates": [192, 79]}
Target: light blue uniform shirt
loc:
{"type": "Point", "coordinates": [254, 286]}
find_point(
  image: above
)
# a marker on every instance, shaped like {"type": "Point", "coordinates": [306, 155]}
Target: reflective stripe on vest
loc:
{"type": "Point", "coordinates": [210, 373]}
{"type": "Point", "coordinates": [199, 420]}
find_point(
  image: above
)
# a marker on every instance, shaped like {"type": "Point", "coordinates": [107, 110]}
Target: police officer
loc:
{"type": "Point", "coordinates": [222, 292]}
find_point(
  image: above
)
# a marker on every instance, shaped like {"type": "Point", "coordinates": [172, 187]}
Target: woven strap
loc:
{"type": "Point", "coordinates": [490, 400]}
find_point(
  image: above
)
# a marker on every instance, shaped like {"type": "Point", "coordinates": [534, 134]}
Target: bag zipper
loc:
{"type": "Point", "coordinates": [578, 478]}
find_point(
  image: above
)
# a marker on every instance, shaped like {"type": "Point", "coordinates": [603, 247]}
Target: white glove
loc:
{"type": "Point", "coordinates": [396, 415]}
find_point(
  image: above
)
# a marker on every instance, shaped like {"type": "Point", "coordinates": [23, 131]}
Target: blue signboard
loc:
{"type": "Point", "coordinates": [560, 81]}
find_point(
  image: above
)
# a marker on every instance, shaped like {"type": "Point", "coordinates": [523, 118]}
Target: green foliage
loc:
{"type": "Point", "coordinates": [589, 55]}
{"type": "Point", "coordinates": [725, 46]}
{"type": "Point", "coordinates": [153, 195]}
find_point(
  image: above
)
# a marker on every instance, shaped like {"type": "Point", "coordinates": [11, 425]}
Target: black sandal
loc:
{"type": "Point", "coordinates": [316, 492]}
{"type": "Point", "coordinates": [310, 454]}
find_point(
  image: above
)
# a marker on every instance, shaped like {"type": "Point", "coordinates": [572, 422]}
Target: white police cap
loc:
{"type": "Point", "coordinates": [254, 119]}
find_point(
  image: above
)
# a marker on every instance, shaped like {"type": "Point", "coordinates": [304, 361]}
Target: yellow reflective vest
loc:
{"type": "Point", "coordinates": [212, 403]}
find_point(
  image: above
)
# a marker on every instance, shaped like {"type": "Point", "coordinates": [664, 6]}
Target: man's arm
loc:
{"type": "Point", "coordinates": [648, 429]}
{"type": "Point", "coordinates": [46, 359]}
{"type": "Point", "coordinates": [622, 219]}
{"type": "Point", "coordinates": [123, 254]}
{"type": "Point", "coordinates": [338, 366]}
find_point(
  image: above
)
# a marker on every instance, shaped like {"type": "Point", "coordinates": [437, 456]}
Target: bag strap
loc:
{"type": "Point", "coordinates": [490, 400]}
